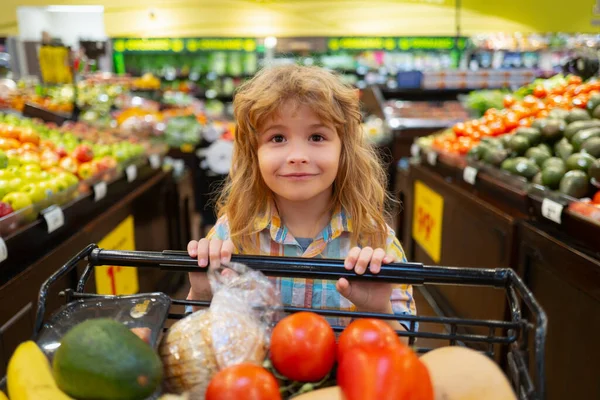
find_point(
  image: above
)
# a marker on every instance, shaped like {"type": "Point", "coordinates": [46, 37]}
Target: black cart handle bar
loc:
{"type": "Point", "coordinates": [308, 268]}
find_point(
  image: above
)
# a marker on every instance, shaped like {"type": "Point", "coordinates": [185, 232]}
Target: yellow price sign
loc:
{"type": "Point", "coordinates": [114, 280]}
{"type": "Point", "coordinates": [427, 220]}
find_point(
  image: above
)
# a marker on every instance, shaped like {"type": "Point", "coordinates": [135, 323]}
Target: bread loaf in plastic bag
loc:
{"type": "Point", "coordinates": [235, 329]}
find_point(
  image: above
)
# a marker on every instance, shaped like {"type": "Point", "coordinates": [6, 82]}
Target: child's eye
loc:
{"type": "Point", "coordinates": [317, 137]}
{"type": "Point", "coordinates": [278, 139]}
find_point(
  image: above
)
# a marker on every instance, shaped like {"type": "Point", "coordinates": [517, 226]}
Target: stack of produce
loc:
{"type": "Point", "coordinates": [236, 350]}
{"type": "Point", "coordinates": [554, 93]}
{"type": "Point", "coordinates": [38, 161]}
{"type": "Point", "coordinates": [560, 151]}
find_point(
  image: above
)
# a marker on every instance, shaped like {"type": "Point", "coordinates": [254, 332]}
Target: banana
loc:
{"type": "Point", "coordinates": [29, 376]}
{"type": "Point", "coordinates": [3, 396]}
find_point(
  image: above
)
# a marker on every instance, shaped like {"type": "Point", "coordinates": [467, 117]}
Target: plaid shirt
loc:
{"type": "Point", "coordinates": [333, 242]}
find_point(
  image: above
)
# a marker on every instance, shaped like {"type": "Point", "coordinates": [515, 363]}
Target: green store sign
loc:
{"type": "Point", "coordinates": [397, 43]}
{"type": "Point", "coordinates": [187, 45]}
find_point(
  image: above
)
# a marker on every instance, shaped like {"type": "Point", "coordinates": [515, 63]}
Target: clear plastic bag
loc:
{"type": "Point", "coordinates": [235, 329]}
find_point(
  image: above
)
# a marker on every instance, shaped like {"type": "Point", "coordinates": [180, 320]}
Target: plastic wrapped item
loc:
{"type": "Point", "coordinates": [144, 314]}
{"type": "Point", "coordinates": [235, 329]}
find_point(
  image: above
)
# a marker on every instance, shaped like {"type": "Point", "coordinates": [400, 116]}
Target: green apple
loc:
{"type": "Point", "coordinates": [3, 159]}
{"type": "Point", "coordinates": [30, 176]}
{"type": "Point", "coordinates": [13, 161]}
{"type": "Point", "coordinates": [45, 176]}
{"type": "Point", "coordinates": [69, 178]}
{"type": "Point", "coordinates": [35, 191]}
{"type": "Point", "coordinates": [6, 174]}
{"type": "Point", "coordinates": [59, 184]}
{"type": "Point", "coordinates": [15, 184]}
{"type": "Point", "coordinates": [30, 158]}
{"type": "Point", "coordinates": [16, 171]}
{"type": "Point", "coordinates": [49, 187]}
{"type": "Point", "coordinates": [5, 187]}
{"type": "Point", "coordinates": [17, 200]}
{"type": "Point", "coordinates": [31, 167]}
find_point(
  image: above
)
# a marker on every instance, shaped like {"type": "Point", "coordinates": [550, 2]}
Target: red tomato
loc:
{"type": "Point", "coordinates": [243, 382]}
{"type": "Point", "coordinates": [574, 80]}
{"type": "Point", "coordinates": [539, 91]}
{"type": "Point", "coordinates": [383, 375]}
{"type": "Point", "coordinates": [459, 129]}
{"type": "Point", "coordinates": [508, 101]}
{"type": "Point", "coordinates": [596, 199]}
{"type": "Point", "coordinates": [303, 347]}
{"type": "Point", "coordinates": [369, 333]}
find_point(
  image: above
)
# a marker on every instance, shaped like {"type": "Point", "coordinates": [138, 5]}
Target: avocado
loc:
{"type": "Point", "coordinates": [509, 164]}
{"type": "Point", "coordinates": [545, 147]}
{"type": "Point", "coordinates": [577, 114]}
{"type": "Point", "coordinates": [102, 359]}
{"type": "Point", "coordinates": [554, 161]}
{"type": "Point", "coordinates": [552, 175]}
{"type": "Point", "coordinates": [492, 142]}
{"type": "Point", "coordinates": [533, 135]}
{"type": "Point", "coordinates": [537, 155]}
{"type": "Point", "coordinates": [583, 136]}
{"type": "Point", "coordinates": [476, 152]}
{"type": "Point", "coordinates": [594, 170]}
{"type": "Point", "coordinates": [591, 147]}
{"type": "Point", "coordinates": [526, 168]}
{"type": "Point", "coordinates": [561, 143]}
{"type": "Point", "coordinates": [558, 113]}
{"type": "Point", "coordinates": [580, 161]}
{"type": "Point", "coordinates": [565, 151]}
{"type": "Point", "coordinates": [553, 131]}
{"type": "Point", "coordinates": [576, 126]}
{"type": "Point", "coordinates": [537, 179]}
{"type": "Point", "coordinates": [504, 139]}
{"type": "Point", "coordinates": [592, 103]}
{"type": "Point", "coordinates": [596, 113]}
{"type": "Point", "coordinates": [539, 123]}
{"type": "Point", "coordinates": [519, 144]}
{"type": "Point", "coordinates": [495, 156]}
{"type": "Point", "coordinates": [575, 184]}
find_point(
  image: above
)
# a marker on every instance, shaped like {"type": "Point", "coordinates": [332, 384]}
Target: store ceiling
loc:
{"type": "Point", "coordinates": [324, 17]}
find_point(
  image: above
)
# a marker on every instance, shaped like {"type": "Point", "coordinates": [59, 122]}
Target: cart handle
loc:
{"type": "Point", "coordinates": [309, 268]}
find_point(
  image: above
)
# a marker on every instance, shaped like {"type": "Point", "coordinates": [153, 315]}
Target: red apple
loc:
{"type": "Point", "coordinates": [5, 209]}
{"type": "Point", "coordinates": [61, 152]}
{"type": "Point", "coordinates": [49, 159]}
{"type": "Point", "coordinates": [69, 164]}
{"type": "Point", "coordinates": [87, 170]}
{"type": "Point", "coordinates": [83, 153]}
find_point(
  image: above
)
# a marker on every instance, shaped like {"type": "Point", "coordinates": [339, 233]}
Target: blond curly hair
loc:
{"type": "Point", "coordinates": [360, 184]}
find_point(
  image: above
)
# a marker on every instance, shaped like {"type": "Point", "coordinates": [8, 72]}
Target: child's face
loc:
{"type": "Point", "coordinates": [298, 155]}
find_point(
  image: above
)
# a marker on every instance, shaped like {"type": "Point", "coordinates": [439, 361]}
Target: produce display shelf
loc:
{"type": "Point", "coordinates": [517, 193]}
{"type": "Point", "coordinates": [33, 111]}
{"type": "Point", "coordinates": [520, 335]}
{"type": "Point", "coordinates": [507, 188]}
{"type": "Point", "coordinates": [30, 242]}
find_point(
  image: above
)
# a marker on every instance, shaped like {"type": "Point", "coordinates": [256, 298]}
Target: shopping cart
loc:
{"type": "Point", "coordinates": [521, 336]}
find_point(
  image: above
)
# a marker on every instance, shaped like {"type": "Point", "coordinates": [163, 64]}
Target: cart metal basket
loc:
{"type": "Point", "coordinates": [521, 336]}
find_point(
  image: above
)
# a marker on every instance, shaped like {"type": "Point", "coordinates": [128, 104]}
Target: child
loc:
{"type": "Point", "coordinates": [305, 182]}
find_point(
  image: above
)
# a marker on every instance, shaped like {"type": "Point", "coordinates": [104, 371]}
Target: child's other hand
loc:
{"type": "Point", "coordinates": [367, 296]}
{"type": "Point", "coordinates": [213, 251]}
{"type": "Point", "coordinates": [208, 251]}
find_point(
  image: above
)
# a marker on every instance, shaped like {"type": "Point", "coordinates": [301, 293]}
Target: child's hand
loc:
{"type": "Point", "coordinates": [211, 251]}
{"type": "Point", "coordinates": [367, 296]}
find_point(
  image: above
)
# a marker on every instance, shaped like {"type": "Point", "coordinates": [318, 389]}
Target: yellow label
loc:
{"type": "Point", "coordinates": [112, 280]}
{"type": "Point", "coordinates": [427, 220]}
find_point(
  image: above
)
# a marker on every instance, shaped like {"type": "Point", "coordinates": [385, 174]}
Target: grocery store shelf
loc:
{"type": "Point", "coordinates": [32, 242]}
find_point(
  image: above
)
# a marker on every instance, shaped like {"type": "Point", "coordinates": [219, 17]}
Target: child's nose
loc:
{"type": "Point", "coordinates": [298, 155]}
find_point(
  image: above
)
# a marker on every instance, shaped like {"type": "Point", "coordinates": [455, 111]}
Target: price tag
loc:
{"type": "Point", "coordinates": [54, 218]}
{"type": "Point", "coordinates": [552, 210]}
{"type": "Point", "coordinates": [3, 250]}
{"type": "Point", "coordinates": [432, 158]}
{"type": "Point", "coordinates": [470, 174]}
{"type": "Point", "coordinates": [131, 172]}
{"type": "Point", "coordinates": [100, 190]}
{"type": "Point", "coordinates": [155, 161]}
{"type": "Point", "coordinates": [415, 150]}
